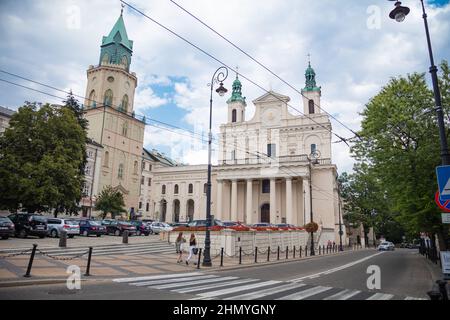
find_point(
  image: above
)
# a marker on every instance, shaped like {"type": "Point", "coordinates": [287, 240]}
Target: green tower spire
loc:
{"type": "Point", "coordinates": [116, 48]}
{"type": "Point", "coordinates": [236, 94]}
{"type": "Point", "coordinates": [310, 83]}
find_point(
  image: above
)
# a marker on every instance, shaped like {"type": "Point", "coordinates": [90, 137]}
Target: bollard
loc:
{"type": "Point", "coordinates": [88, 268]}
{"type": "Point", "coordinates": [63, 239]}
{"type": "Point", "coordinates": [278, 253]}
{"type": "Point", "coordinates": [434, 295]}
{"type": "Point", "coordinates": [199, 257]}
{"type": "Point", "coordinates": [306, 250]}
{"type": "Point", "coordinates": [268, 253]}
{"type": "Point", "coordinates": [300, 252]}
{"type": "Point", "coordinates": [319, 250]}
{"type": "Point", "coordinates": [287, 252]}
{"type": "Point", "coordinates": [221, 257]}
{"type": "Point", "coordinates": [240, 255]}
{"type": "Point", "coordinates": [30, 263]}
{"type": "Point", "coordinates": [125, 237]}
{"type": "Point", "coordinates": [443, 288]}
{"type": "Point", "coordinates": [256, 254]}
{"type": "Point", "coordinates": [294, 253]}
{"type": "Point", "coordinates": [323, 249]}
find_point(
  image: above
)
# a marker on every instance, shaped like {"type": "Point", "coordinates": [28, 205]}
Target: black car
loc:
{"type": "Point", "coordinates": [6, 228]}
{"type": "Point", "coordinates": [29, 224]}
{"type": "Point", "coordinates": [88, 227]}
{"type": "Point", "coordinates": [117, 228]}
{"type": "Point", "coordinates": [141, 227]}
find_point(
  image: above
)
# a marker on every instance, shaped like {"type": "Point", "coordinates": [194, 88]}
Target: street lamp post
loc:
{"type": "Point", "coordinates": [312, 159]}
{"type": "Point", "coordinates": [218, 77]}
{"type": "Point", "coordinates": [399, 13]}
{"type": "Point", "coordinates": [340, 221]}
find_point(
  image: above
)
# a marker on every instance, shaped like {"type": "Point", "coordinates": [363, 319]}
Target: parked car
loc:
{"type": "Point", "coordinates": [235, 225]}
{"type": "Point", "coordinates": [157, 227]}
{"type": "Point", "coordinates": [386, 246]}
{"type": "Point", "coordinates": [56, 225]}
{"type": "Point", "coordinates": [117, 228]}
{"type": "Point", "coordinates": [29, 224]}
{"type": "Point", "coordinates": [148, 221]}
{"type": "Point", "coordinates": [88, 227]}
{"type": "Point", "coordinates": [6, 228]}
{"type": "Point", "coordinates": [285, 226]}
{"type": "Point", "coordinates": [264, 226]}
{"type": "Point", "coordinates": [178, 224]}
{"type": "Point", "coordinates": [141, 227]}
{"type": "Point", "coordinates": [202, 223]}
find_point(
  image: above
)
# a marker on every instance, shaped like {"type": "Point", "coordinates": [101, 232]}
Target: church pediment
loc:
{"type": "Point", "coordinates": [121, 189]}
{"type": "Point", "coordinates": [271, 97]}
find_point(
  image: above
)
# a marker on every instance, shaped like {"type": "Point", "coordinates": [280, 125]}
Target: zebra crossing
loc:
{"type": "Point", "coordinates": [151, 247]}
{"type": "Point", "coordinates": [206, 286]}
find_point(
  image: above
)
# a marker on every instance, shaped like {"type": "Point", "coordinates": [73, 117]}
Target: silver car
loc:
{"type": "Point", "coordinates": [157, 227]}
{"type": "Point", "coordinates": [386, 246]}
{"type": "Point", "coordinates": [56, 225]}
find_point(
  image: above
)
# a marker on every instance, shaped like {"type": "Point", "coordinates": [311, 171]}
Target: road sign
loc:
{"type": "Point", "coordinates": [445, 261]}
{"type": "Point", "coordinates": [443, 205]}
{"type": "Point", "coordinates": [446, 218]}
{"type": "Point", "coordinates": [443, 177]}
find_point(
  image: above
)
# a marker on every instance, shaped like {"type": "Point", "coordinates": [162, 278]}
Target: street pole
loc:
{"type": "Point", "coordinates": [340, 221]}
{"type": "Point", "coordinates": [312, 253]}
{"type": "Point", "coordinates": [221, 76]}
{"type": "Point", "coordinates": [445, 156]}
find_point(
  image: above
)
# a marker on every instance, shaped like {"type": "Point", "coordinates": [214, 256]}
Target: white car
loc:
{"type": "Point", "coordinates": [386, 246]}
{"type": "Point", "coordinates": [157, 227]}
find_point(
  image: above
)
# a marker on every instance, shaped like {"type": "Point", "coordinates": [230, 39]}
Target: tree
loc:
{"type": "Point", "coordinates": [41, 153]}
{"type": "Point", "coordinates": [400, 144]}
{"type": "Point", "coordinates": [110, 201]}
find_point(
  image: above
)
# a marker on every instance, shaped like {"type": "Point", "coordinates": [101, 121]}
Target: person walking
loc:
{"type": "Point", "coordinates": [192, 247]}
{"type": "Point", "coordinates": [179, 246]}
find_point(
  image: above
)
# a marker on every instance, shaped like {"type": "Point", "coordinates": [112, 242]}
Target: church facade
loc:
{"type": "Point", "coordinates": [269, 167]}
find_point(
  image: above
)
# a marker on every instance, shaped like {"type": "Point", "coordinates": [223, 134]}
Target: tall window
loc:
{"type": "Point", "coordinates": [92, 97]}
{"type": "Point", "coordinates": [205, 188]}
{"type": "Point", "coordinates": [125, 61]}
{"type": "Point", "coordinates": [313, 148]}
{"type": "Point", "coordinates": [125, 129]}
{"type": "Point", "coordinates": [106, 162]}
{"type": "Point", "coordinates": [107, 101]}
{"type": "Point", "coordinates": [143, 165]}
{"type": "Point", "coordinates": [87, 170]}
{"type": "Point", "coordinates": [191, 188]}
{"type": "Point", "coordinates": [233, 115]}
{"type": "Point", "coordinates": [142, 180]}
{"type": "Point", "coordinates": [311, 106]}
{"type": "Point", "coordinates": [266, 186]}
{"type": "Point", "coordinates": [149, 182]}
{"type": "Point", "coordinates": [140, 205]}
{"type": "Point", "coordinates": [271, 150]}
{"type": "Point", "coordinates": [175, 189]}
{"type": "Point", "coordinates": [85, 189]}
{"type": "Point", "coordinates": [105, 58]}
{"type": "Point", "coordinates": [136, 164]}
{"type": "Point", "coordinates": [120, 173]}
{"type": "Point", "coordinates": [125, 103]}
{"type": "Point", "coordinates": [163, 189]}
{"type": "Point", "coordinates": [147, 207]}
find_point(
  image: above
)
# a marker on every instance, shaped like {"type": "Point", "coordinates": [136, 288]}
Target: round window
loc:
{"type": "Point", "coordinates": [110, 79]}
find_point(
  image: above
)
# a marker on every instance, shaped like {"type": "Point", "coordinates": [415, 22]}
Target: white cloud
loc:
{"type": "Point", "coordinates": [146, 99]}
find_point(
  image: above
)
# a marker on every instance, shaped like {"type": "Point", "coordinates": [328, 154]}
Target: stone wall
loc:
{"type": "Point", "coordinates": [231, 240]}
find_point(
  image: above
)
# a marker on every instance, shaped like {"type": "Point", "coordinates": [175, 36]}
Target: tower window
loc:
{"type": "Point", "coordinates": [271, 150]}
{"type": "Point", "coordinates": [124, 103]}
{"type": "Point", "coordinates": [311, 106]}
{"type": "Point", "coordinates": [125, 129]}
{"type": "Point", "coordinates": [233, 115]}
{"type": "Point", "coordinates": [107, 101]}
{"type": "Point", "coordinates": [136, 167]}
{"type": "Point", "coordinates": [120, 173]}
{"type": "Point", "coordinates": [105, 58]}
{"type": "Point", "coordinates": [91, 101]}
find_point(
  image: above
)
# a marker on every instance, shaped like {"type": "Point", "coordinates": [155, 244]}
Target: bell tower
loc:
{"type": "Point", "coordinates": [311, 92]}
{"type": "Point", "coordinates": [236, 103]}
{"type": "Point", "coordinates": [112, 122]}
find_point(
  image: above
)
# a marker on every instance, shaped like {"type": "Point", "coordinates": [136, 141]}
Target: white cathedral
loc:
{"type": "Point", "coordinates": [265, 169]}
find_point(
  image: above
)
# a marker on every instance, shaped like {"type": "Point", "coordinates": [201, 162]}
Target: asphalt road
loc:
{"type": "Point", "coordinates": [403, 273]}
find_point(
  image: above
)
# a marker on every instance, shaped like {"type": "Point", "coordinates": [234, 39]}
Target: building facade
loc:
{"type": "Point", "coordinates": [5, 116]}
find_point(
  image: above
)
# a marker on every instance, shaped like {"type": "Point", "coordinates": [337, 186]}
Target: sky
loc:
{"type": "Point", "coordinates": [355, 50]}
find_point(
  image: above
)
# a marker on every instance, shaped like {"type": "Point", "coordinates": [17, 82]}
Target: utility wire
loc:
{"type": "Point", "coordinates": [260, 64]}
{"type": "Point", "coordinates": [232, 69]}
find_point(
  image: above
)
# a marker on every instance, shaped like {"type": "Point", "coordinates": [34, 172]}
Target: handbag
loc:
{"type": "Point", "coordinates": [195, 250]}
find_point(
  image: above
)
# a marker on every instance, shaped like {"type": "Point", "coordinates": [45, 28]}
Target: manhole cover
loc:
{"type": "Point", "coordinates": [62, 291]}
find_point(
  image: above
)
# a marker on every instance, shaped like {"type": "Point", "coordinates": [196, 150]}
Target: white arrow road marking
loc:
{"type": "Point", "coordinates": [345, 266]}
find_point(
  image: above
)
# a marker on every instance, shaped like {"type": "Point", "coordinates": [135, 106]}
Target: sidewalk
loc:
{"type": "Point", "coordinates": [53, 269]}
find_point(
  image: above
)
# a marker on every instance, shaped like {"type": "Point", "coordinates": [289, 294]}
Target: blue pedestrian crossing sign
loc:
{"type": "Point", "coordinates": [443, 177]}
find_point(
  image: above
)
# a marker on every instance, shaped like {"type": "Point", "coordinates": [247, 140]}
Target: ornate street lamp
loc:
{"type": "Point", "coordinates": [218, 77]}
{"type": "Point", "coordinates": [313, 159]}
{"type": "Point", "coordinates": [399, 13]}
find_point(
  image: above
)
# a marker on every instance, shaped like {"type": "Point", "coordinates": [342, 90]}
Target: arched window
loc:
{"type": "Point", "coordinates": [233, 115]}
{"type": "Point", "coordinates": [105, 58]}
{"type": "Point", "coordinates": [191, 188]}
{"type": "Point", "coordinates": [135, 170]}
{"type": "Point", "coordinates": [106, 161]}
{"type": "Point", "coordinates": [107, 101]}
{"type": "Point", "coordinates": [313, 148]}
{"type": "Point", "coordinates": [120, 173]}
{"type": "Point", "coordinates": [163, 189]}
{"type": "Point", "coordinates": [205, 188]}
{"type": "Point", "coordinates": [125, 129]}
{"type": "Point", "coordinates": [92, 101]}
{"type": "Point", "coordinates": [311, 106]}
{"type": "Point", "coordinates": [125, 61]}
{"type": "Point", "coordinates": [125, 103]}
{"type": "Point", "coordinates": [175, 189]}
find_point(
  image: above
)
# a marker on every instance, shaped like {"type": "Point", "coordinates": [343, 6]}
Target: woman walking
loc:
{"type": "Point", "coordinates": [192, 247]}
{"type": "Point", "coordinates": [179, 246]}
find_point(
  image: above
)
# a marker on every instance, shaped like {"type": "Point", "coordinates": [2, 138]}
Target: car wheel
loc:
{"type": "Point", "coordinates": [23, 234]}
{"type": "Point", "coordinates": [138, 233]}
{"type": "Point", "coordinates": [117, 233]}
{"type": "Point", "coordinates": [42, 236]}
{"type": "Point", "coordinates": [85, 233]}
{"type": "Point", "coordinates": [99, 235]}
{"type": "Point", "coordinates": [54, 233]}
{"type": "Point", "coordinates": [70, 236]}
{"type": "Point", "coordinates": [5, 237]}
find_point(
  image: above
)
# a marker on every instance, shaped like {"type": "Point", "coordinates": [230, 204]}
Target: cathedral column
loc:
{"type": "Point", "coordinates": [289, 200]}
{"type": "Point", "coordinates": [306, 201]}
{"type": "Point", "coordinates": [249, 202]}
{"type": "Point", "coordinates": [169, 211]}
{"type": "Point", "coordinates": [273, 201]}
{"type": "Point", "coordinates": [219, 206]}
{"type": "Point", "coordinates": [234, 206]}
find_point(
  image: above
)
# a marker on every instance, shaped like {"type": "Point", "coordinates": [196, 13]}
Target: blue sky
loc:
{"type": "Point", "coordinates": [355, 49]}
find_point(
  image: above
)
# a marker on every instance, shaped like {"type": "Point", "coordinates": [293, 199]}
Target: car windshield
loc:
{"type": "Point", "coordinates": [385, 243]}
{"type": "Point", "coordinates": [124, 223]}
{"type": "Point", "coordinates": [95, 223]}
{"type": "Point", "coordinates": [229, 224]}
{"type": "Point", "coordinates": [71, 222]}
{"type": "Point", "coordinates": [4, 219]}
{"type": "Point", "coordinates": [39, 218]}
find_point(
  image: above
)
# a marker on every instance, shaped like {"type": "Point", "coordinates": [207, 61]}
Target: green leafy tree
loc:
{"type": "Point", "coordinates": [110, 201]}
{"type": "Point", "coordinates": [40, 158]}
